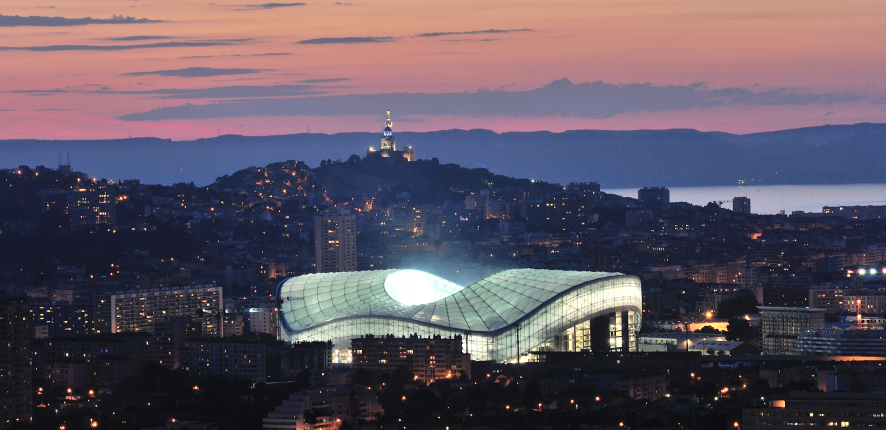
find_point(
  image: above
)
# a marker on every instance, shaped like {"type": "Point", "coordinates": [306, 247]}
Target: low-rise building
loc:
{"type": "Point", "coordinates": [138, 347]}
{"type": "Point", "coordinates": [836, 299]}
{"type": "Point", "coordinates": [858, 380]}
{"type": "Point", "coordinates": [843, 410]}
{"type": "Point", "coordinates": [722, 347]}
{"type": "Point", "coordinates": [651, 387]}
{"type": "Point", "coordinates": [781, 327]}
{"type": "Point", "coordinates": [261, 320]}
{"type": "Point", "coordinates": [111, 370]}
{"type": "Point", "coordinates": [325, 408]}
{"type": "Point", "coordinates": [674, 341]}
{"type": "Point", "coordinates": [140, 310]}
{"type": "Point", "coordinates": [428, 358]}
{"type": "Point", "coordinates": [830, 341]}
{"type": "Point", "coordinates": [225, 357]}
{"type": "Point", "coordinates": [288, 360]}
{"type": "Point", "coordinates": [67, 373]}
{"type": "Point", "coordinates": [690, 324]}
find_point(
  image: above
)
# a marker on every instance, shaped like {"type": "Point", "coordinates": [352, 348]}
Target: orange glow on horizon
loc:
{"type": "Point", "coordinates": [64, 93]}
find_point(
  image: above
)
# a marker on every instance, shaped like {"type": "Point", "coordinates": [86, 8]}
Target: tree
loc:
{"type": "Point", "coordinates": [532, 394]}
{"type": "Point", "coordinates": [738, 306]}
{"type": "Point", "coordinates": [708, 330]}
{"type": "Point", "coordinates": [739, 329]}
{"type": "Point", "coordinates": [362, 376]}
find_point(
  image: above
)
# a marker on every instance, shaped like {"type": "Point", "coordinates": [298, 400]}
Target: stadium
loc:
{"type": "Point", "coordinates": [502, 317]}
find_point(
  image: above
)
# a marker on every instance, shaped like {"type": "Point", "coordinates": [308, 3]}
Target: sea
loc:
{"type": "Point", "coordinates": [771, 199]}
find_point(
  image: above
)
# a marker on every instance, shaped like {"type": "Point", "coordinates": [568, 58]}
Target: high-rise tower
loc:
{"type": "Point", "coordinates": [91, 203]}
{"type": "Point", "coordinates": [741, 205]}
{"type": "Point", "coordinates": [654, 197]}
{"type": "Point", "coordinates": [335, 241]}
{"type": "Point", "coordinates": [15, 356]}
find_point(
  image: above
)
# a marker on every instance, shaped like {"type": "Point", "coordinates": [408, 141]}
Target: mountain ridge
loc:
{"type": "Point", "coordinates": [829, 154]}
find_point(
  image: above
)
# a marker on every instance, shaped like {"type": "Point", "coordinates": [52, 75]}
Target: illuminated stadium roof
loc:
{"type": "Point", "coordinates": [347, 305]}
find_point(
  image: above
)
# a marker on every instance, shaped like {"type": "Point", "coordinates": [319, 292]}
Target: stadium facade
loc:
{"type": "Point", "coordinates": [502, 317]}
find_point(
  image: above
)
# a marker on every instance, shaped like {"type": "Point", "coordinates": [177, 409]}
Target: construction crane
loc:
{"type": "Point", "coordinates": [858, 299]}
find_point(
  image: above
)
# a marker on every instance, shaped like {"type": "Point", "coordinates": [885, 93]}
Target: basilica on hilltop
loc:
{"type": "Point", "coordinates": [389, 146]}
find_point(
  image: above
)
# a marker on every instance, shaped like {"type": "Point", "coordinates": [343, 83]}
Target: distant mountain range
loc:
{"type": "Point", "coordinates": [832, 154]}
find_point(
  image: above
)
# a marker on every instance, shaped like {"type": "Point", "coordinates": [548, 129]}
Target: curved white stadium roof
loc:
{"type": "Point", "coordinates": [346, 305]}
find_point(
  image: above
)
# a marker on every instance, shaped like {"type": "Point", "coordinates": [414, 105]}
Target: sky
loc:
{"type": "Point", "coordinates": [182, 69]}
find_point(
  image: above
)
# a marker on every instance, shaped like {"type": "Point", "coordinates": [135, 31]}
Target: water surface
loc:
{"type": "Point", "coordinates": [770, 199]}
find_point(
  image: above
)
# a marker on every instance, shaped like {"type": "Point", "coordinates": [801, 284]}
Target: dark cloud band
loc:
{"type": "Point", "coordinates": [133, 38]}
{"type": "Point", "coordinates": [328, 40]}
{"type": "Point", "coordinates": [53, 48]}
{"type": "Point", "coordinates": [225, 92]}
{"type": "Point", "coordinates": [57, 21]}
{"type": "Point", "coordinates": [196, 72]}
{"type": "Point", "coordinates": [228, 92]}
{"type": "Point", "coordinates": [270, 6]}
{"type": "Point", "coordinates": [562, 97]}
{"type": "Point", "coordinates": [458, 33]}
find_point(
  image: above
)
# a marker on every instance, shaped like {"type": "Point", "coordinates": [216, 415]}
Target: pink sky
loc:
{"type": "Point", "coordinates": [830, 53]}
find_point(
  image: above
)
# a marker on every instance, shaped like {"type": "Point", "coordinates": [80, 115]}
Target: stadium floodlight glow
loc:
{"type": "Point", "coordinates": [414, 287]}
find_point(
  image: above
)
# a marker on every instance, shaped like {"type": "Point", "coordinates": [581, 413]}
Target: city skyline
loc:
{"type": "Point", "coordinates": [98, 69]}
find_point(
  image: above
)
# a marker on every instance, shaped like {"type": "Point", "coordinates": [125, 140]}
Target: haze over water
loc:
{"type": "Point", "coordinates": [770, 199]}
